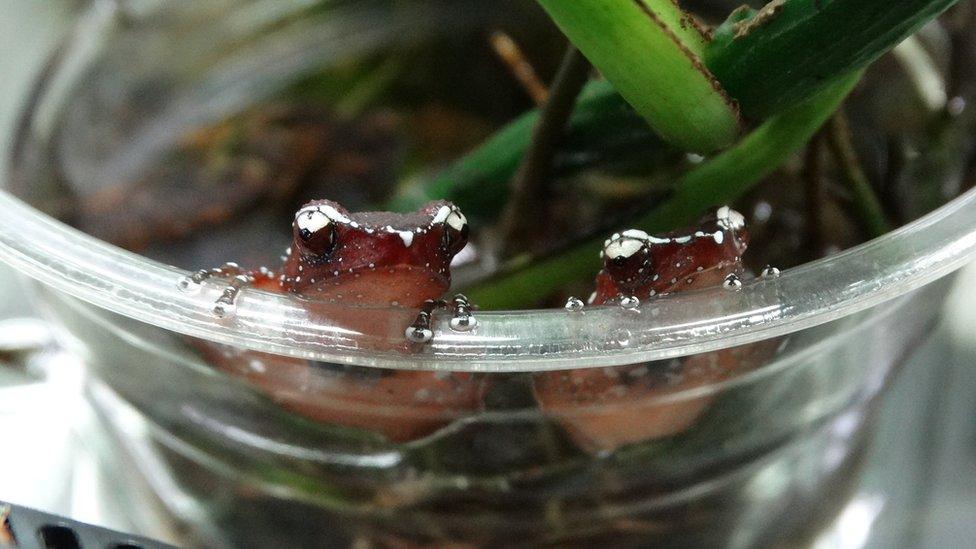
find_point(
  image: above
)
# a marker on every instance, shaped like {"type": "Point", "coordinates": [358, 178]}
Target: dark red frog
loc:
{"type": "Point", "coordinates": [636, 264]}
{"type": "Point", "coordinates": [606, 408]}
{"type": "Point", "coordinates": [377, 258]}
{"type": "Point", "coordinates": [371, 258]}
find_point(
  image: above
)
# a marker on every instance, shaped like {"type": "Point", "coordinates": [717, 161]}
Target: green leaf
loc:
{"type": "Point", "coordinates": [783, 53]}
{"type": "Point", "coordinates": [650, 51]}
{"type": "Point", "coordinates": [718, 180]}
{"type": "Point", "coordinates": [478, 182]}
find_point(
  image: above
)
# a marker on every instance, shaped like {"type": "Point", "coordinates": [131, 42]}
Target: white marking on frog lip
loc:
{"type": "Point", "coordinates": [730, 219]}
{"type": "Point", "coordinates": [406, 237]}
{"type": "Point", "coordinates": [682, 239]}
{"type": "Point", "coordinates": [719, 237]}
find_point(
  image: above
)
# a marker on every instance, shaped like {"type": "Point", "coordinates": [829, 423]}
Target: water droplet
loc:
{"type": "Point", "coordinates": [186, 284]}
{"type": "Point", "coordinates": [769, 272]}
{"type": "Point", "coordinates": [574, 304]}
{"type": "Point", "coordinates": [419, 335]}
{"type": "Point", "coordinates": [732, 282]}
{"type": "Point", "coordinates": [629, 302]}
{"type": "Point", "coordinates": [463, 323]}
{"type": "Point", "coordinates": [956, 106]}
{"type": "Point", "coordinates": [223, 309]}
{"type": "Point", "coordinates": [619, 338]}
{"type": "Point", "coordinates": [762, 212]}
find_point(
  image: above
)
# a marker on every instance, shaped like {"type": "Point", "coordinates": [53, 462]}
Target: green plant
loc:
{"type": "Point", "coordinates": [786, 67]}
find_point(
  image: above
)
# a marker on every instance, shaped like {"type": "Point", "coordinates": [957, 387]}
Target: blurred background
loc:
{"type": "Point", "coordinates": [920, 486]}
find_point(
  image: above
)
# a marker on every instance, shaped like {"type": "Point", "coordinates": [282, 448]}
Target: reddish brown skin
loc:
{"type": "Point", "coordinates": [363, 263]}
{"type": "Point", "coordinates": [674, 266]}
{"type": "Point", "coordinates": [368, 261]}
{"type": "Point", "coordinates": [605, 408]}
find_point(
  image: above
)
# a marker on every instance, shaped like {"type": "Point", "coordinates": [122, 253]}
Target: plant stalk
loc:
{"type": "Point", "coordinates": [530, 182]}
{"type": "Point", "coordinates": [866, 202]}
{"type": "Point", "coordinates": [816, 198]}
{"type": "Point", "coordinates": [716, 181]}
{"type": "Point", "coordinates": [749, 68]}
{"type": "Point", "coordinates": [650, 51]}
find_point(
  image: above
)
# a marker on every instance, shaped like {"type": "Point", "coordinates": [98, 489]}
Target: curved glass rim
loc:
{"type": "Point", "coordinates": [504, 341]}
{"type": "Point", "coordinates": [525, 340]}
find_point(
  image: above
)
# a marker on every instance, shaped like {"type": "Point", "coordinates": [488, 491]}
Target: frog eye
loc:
{"type": "Point", "coordinates": [316, 230]}
{"type": "Point", "coordinates": [455, 229]}
{"type": "Point", "coordinates": [627, 257]}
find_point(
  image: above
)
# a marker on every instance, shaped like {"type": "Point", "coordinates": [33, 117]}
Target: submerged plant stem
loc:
{"type": "Point", "coordinates": [718, 180]}
{"type": "Point", "coordinates": [529, 184]}
{"type": "Point", "coordinates": [816, 196]}
{"type": "Point", "coordinates": [478, 182]}
{"type": "Point", "coordinates": [866, 202]}
{"type": "Point", "coordinates": [510, 54]}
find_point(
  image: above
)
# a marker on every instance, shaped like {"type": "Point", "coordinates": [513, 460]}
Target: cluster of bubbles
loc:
{"type": "Point", "coordinates": [462, 320]}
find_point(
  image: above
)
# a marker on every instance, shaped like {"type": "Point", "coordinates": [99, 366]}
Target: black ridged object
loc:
{"type": "Point", "coordinates": [25, 528]}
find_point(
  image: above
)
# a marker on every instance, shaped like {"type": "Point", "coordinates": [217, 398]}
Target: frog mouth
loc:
{"type": "Point", "coordinates": [398, 285]}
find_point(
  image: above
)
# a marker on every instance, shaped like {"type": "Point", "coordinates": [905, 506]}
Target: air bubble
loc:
{"type": "Point", "coordinates": [770, 272]}
{"type": "Point", "coordinates": [732, 282]}
{"type": "Point", "coordinates": [463, 323]}
{"type": "Point", "coordinates": [629, 302]}
{"type": "Point", "coordinates": [187, 285]}
{"type": "Point", "coordinates": [419, 335]}
{"type": "Point", "coordinates": [223, 309]}
{"type": "Point", "coordinates": [620, 338]}
{"type": "Point", "coordinates": [956, 106]}
{"type": "Point", "coordinates": [574, 304]}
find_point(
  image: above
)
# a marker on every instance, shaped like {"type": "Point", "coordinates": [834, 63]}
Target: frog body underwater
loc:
{"type": "Point", "coordinates": [604, 409]}
{"type": "Point", "coordinates": [363, 259]}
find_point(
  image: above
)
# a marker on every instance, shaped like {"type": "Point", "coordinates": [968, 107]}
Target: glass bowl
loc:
{"type": "Point", "coordinates": [708, 418]}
